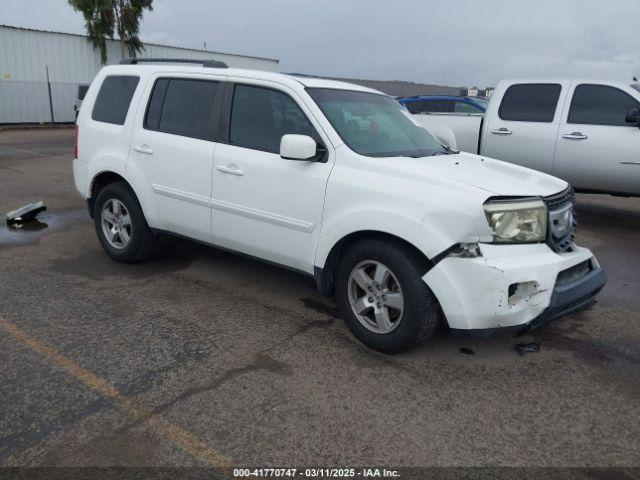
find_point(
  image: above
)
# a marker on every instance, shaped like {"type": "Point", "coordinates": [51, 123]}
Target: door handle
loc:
{"type": "Point", "coordinates": [502, 131]}
{"type": "Point", "coordinates": [233, 170]}
{"type": "Point", "coordinates": [575, 136]}
{"type": "Point", "coordinates": [143, 149]}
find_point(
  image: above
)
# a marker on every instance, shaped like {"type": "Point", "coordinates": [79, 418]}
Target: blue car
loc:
{"type": "Point", "coordinates": [443, 104]}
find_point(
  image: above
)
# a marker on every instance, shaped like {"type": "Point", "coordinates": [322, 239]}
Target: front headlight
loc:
{"type": "Point", "coordinates": [517, 221]}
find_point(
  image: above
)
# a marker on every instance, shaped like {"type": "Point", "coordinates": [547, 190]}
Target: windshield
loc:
{"type": "Point", "coordinates": [374, 125]}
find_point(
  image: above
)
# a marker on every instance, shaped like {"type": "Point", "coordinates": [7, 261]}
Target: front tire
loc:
{"type": "Point", "coordinates": [382, 297]}
{"type": "Point", "coordinates": [120, 224]}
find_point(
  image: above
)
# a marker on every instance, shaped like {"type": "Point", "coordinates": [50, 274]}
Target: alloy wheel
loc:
{"type": "Point", "coordinates": [116, 223]}
{"type": "Point", "coordinates": [375, 296]}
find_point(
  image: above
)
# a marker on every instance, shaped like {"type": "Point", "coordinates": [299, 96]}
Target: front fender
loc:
{"type": "Point", "coordinates": [429, 241]}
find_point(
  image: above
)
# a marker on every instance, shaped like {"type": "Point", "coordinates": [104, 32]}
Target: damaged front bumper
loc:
{"type": "Point", "coordinates": [514, 287]}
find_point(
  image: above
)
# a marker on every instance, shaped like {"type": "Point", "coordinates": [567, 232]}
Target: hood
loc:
{"type": "Point", "coordinates": [494, 176]}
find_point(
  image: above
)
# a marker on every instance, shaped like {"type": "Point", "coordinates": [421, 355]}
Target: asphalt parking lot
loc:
{"type": "Point", "coordinates": [201, 357]}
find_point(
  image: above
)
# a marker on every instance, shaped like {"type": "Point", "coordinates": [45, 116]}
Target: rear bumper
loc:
{"type": "Point", "coordinates": [81, 177]}
{"type": "Point", "coordinates": [477, 294]}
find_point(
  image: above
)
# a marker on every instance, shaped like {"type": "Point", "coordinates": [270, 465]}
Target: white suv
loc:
{"type": "Point", "coordinates": [336, 181]}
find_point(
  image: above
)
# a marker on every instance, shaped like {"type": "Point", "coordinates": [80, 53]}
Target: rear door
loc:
{"type": "Point", "coordinates": [172, 153]}
{"type": "Point", "coordinates": [597, 150]}
{"type": "Point", "coordinates": [264, 205]}
{"type": "Point", "coordinates": [524, 127]}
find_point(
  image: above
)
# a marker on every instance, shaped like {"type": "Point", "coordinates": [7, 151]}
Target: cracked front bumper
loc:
{"type": "Point", "coordinates": [475, 296]}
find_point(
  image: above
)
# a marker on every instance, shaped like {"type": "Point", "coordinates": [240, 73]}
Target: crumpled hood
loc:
{"type": "Point", "coordinates": [494, 176]}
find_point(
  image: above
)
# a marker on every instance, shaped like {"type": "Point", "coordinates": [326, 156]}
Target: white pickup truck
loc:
{"type": "Point", "coordinates": [585, 132]}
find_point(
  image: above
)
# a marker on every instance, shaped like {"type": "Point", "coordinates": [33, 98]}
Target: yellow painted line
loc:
{"type": "Point", "coordinates": [183, 439]}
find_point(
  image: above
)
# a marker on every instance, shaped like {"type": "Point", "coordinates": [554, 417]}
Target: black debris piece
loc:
{"type": "Point", "coordinates": [26, 213]}
{"type": "Point", "coordinates": [531, 347]}
{"type": "Point", "coordinates": [467, 351]}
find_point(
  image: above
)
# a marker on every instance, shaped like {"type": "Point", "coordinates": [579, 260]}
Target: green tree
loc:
{"type": "Point", "coordinates": [105, 18]}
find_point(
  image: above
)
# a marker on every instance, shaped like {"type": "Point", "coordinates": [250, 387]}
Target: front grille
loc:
{"type": "Point", "coordinates": [559, 199]}
{"type": "Point", "coordinates": [561, 228]}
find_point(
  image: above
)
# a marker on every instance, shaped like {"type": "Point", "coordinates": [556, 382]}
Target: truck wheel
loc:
{"type": "Point", "coordinates": [120, 224]}
{"type": "Point", "coordinates": [382, 297]}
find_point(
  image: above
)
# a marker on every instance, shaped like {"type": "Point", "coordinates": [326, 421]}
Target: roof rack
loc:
{"type": "Point", "coordinates": [204, 63]}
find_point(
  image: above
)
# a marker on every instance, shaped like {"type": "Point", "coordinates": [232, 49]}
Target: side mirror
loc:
{"type": "Point", "coordinates": [633, 116]}
{"type": "Point", "coordinates": [297, 147]}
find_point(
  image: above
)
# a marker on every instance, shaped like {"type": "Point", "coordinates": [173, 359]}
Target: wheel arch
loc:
{"type": "Point", "coordinates": [325, 275]}
{"type": "Point", "coordinates": [101, 180]}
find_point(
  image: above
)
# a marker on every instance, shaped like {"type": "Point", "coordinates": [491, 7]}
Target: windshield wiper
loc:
{"type": "Point", "coordinates": [446, 151]}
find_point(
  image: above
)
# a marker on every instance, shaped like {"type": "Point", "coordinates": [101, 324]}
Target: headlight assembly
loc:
{"type": "Point", "coordinates": [523, 221]}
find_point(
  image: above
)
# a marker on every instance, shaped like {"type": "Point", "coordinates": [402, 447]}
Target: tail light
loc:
{"type": "Point", "coordinates": [75, 147]}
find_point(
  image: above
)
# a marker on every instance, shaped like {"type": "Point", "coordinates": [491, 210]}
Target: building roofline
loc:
{"type": "Point", "coordinates": [144, 43]}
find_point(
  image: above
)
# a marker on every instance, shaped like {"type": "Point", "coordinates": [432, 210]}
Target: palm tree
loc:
{"type": "Point", "coordinates": [104, 18]}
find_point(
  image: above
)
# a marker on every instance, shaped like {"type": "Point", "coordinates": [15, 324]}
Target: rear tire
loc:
{"type": "Point", "coordinates": [120, 224]}
{"type": "Point", "coordinates": [374, 275]}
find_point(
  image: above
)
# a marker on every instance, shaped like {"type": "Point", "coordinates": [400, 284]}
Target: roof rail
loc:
{"type": "Point", "coordinates": [204, 63]}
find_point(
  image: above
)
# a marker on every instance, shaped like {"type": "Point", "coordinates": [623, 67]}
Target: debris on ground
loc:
{"type": "Point", "coordinates": [467, 351]}
{"type": "Point", "coordinates": [531, 347]}
{"type": "Point", "coordinates": [26, 213]}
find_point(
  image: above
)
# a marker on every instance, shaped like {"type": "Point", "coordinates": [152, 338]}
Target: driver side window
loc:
{"type": "Point", "coordinates": [600, 105]}
{"type": "Point", "coordinates": [261, 116]}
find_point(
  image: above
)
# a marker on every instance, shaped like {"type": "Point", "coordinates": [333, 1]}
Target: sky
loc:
{"type": "Point", "coordinates": [447, 42]}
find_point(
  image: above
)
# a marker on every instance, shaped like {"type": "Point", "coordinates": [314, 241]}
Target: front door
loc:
{"type": "Point", "coordinates": [597, 150]}
{"type": "Point", "coordinates": [172, 152]}
{"type": "Point", "coordinates": [523, 129]}
{"type": "Point", "coordinates": [264, 205]}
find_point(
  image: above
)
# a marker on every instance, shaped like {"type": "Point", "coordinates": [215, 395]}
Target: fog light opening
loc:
{"type": "Point", "coordinates": [521, 292]}
{"type": "Point", "coordinates": [465, 250]}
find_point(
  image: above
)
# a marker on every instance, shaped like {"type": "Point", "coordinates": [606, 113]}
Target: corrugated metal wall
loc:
{"type": "Point", "coordinates": [25, 55]}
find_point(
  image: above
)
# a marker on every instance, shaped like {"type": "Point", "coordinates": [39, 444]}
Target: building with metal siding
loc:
{"type": "Point", "coordinates": [71, 61]}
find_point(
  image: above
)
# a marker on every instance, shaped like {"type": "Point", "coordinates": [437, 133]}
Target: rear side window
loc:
{"type": "Point", "coordinates": [114, 97]}
{"type": "Point", "coordinates": [534, 102]}
{"type": "Point", "coordinates": [464, 107]}
{"type": "Point", "coordinates": [261, 116]}
{"type": "Point", "coordinates": [600, 105]}
{"type": "Point", "coordinates": [182, 107]}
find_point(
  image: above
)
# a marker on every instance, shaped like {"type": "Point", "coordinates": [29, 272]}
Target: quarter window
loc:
{"type": "Point", "coordinates": [182, 107]}
{"type": "Point", "coordinates": [530, 102]}
{"type": "Point", "coordinates": [261, 116]}
{"type": "Point", "coordinates": [114, 97]}
{"type": "Point", "coordinates": [600, 105]}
